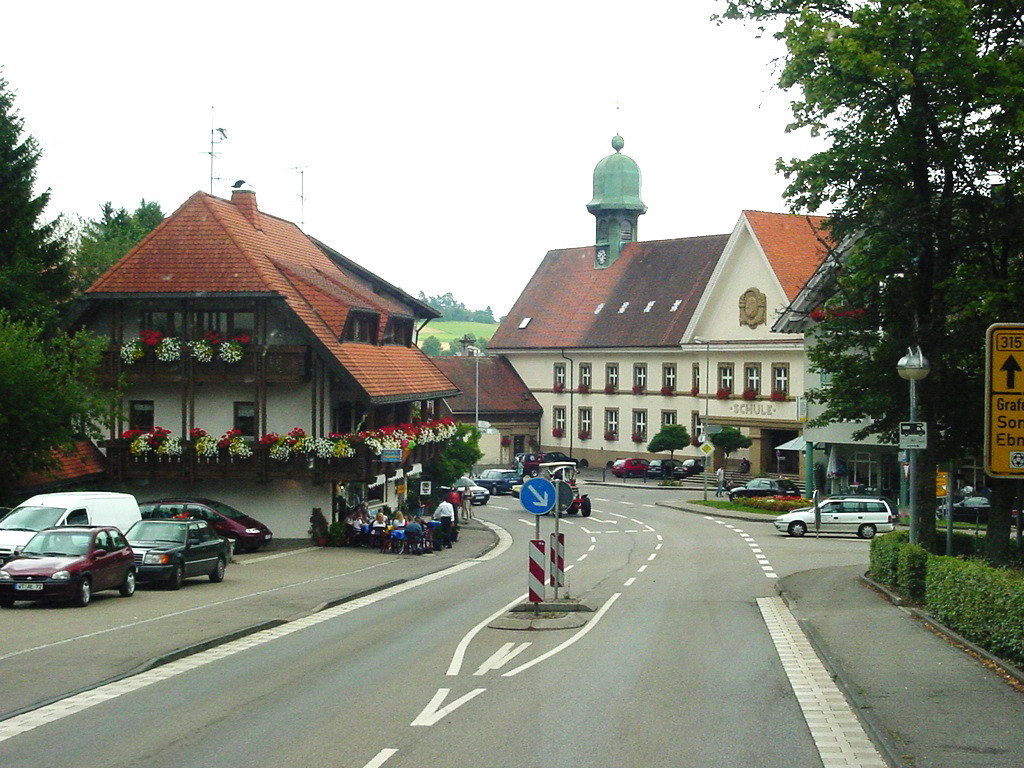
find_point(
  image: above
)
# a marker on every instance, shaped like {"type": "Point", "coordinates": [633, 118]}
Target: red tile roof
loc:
{"type": "Point", "coordinates": [501, 389]}
{"type": "Point", "coordinates": [82, 463]}
{"type": "Point", "coordinates": [646, 297]}
{"type": "Point", "coordinates": [215, 246]}
{"type": "Point", "coordinates": [795, 245]}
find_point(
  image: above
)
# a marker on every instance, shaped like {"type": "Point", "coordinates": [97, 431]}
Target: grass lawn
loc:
{"type": "Point", "coordinates": [448, 332]}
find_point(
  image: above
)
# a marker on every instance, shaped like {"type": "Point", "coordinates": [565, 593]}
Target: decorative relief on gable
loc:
{"type": "Point", "coordinates": [753, 308]}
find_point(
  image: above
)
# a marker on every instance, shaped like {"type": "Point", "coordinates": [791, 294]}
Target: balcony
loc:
{"type": "Point", "coordinates": [281, 365]}
{"type": "Point", "coordinates": [189, 467]}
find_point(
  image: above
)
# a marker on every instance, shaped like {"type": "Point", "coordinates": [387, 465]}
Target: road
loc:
{"type": "Point", "coordinates": [675, 666]}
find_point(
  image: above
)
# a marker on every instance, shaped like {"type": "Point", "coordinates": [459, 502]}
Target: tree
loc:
{"type": "Point", "coordinates": [923, 172]}
{"type": "Point", "coordinates": [671, 438]}
{"type": "Point", "coordinates": [49, 396]}
{"type": "Point", "coordinates": [431, 346]}
{"type": "Point", "coordinates": [730, 439]}
{"type": "Point", "coordinates": [34, 275]}
{"type": "Point", "coordinates": [104, 240]}
{"type": "Point", "coordinates": [458, 456]}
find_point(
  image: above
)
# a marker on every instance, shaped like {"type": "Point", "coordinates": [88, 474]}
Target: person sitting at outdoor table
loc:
{"type": "Point", "coordinates": [414, 536]}
{"type": "Point", "coordinates": [353, 528]}
{"type": "Point", "coordinates": [399, 520]}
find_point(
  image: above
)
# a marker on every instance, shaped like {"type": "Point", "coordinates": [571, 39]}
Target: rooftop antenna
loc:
{"type": "Point", "coordinates": [302, 193]}
{"type": "Point", "coordinates": [214, 141]}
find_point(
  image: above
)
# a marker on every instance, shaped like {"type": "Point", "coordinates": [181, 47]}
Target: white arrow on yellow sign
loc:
{"type": "Point", "coordinates": [1004, 401]}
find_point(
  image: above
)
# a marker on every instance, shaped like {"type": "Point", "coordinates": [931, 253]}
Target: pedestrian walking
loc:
{"type": "Point", "coordinates": [467, 504]}
{"type": "Point", "coordinates": [720, 477]}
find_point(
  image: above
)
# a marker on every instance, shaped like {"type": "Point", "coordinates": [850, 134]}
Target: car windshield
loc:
{"type": "Point", "coordinates": [150, 531]}
{"type": "Point", "coordinates": [31, 518]}
{"type": "Point", "coordinates": [58, 544]}
{"type": "Point", "coordinates": [225, 510]}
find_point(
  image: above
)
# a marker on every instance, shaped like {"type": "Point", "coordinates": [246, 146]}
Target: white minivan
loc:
{"type": "Point", "coordinates": [71, 508]}
{"type": "Point", "coordinates": [848, 514]}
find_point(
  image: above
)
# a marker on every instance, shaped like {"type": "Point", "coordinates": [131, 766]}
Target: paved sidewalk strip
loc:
{"type": "Point", "coordinates": [836, 731]}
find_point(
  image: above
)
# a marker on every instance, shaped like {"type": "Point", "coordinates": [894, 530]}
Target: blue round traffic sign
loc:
{"type": "Point", "coordinates": [538, 495]}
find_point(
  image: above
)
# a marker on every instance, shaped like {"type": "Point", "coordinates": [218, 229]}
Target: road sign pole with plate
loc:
{"type": "Point", "coordinates": [538, 497]}
{"type": "Point", "coordinates": [1004, 400]}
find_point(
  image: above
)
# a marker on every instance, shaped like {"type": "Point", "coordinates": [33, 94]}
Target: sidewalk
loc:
{"type": "Point", "coordinates": [925, 702]}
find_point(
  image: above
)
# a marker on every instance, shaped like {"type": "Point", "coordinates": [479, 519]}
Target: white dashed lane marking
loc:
{"type": "Point", "coordinates": [762, 561]}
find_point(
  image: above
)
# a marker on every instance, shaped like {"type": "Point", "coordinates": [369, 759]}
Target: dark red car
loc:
{"type": "Point", "coordinates": [69, 563]}
{"type": "Point", "coordinates": [249, 533]}
{"type": "Point", "coordinates": [630, 467]}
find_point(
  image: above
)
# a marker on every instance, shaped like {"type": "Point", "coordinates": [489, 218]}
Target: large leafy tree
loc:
{"type": "Point", "coordinates": [34, 275]}
{"type": "Point", "coordinates": [671, 438]}
{"type": "Point", "coordinates": [49, 396]}
{"type": "Point", "coordinates": [921, 108]}
{"type": "Point", "coordinates": [104, 240]}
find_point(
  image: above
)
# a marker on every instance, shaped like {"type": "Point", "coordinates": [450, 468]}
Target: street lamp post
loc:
{"type": "Point", "coordinates": [707, 401]}
{"type": "Point", "coordinates": [913, 367]}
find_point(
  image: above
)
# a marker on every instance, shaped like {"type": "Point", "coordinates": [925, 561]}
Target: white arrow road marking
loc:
{"type": "Point", "coordinates": [460, 651]}
{"type": "Point", "coordinates": [501, 657]}
{"type": "Point", "coordinates": [432, 713]}
{"type": "Point", "coordinates": [381, 758]}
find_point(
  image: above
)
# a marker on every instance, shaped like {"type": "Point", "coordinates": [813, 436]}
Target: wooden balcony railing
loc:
{"type": "Point", "coordinates": [281, 364]}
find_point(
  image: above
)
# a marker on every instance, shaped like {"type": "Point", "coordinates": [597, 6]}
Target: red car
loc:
{"type": "Point", "coordinates": [249, 533]}
{"type": "Point", "coordinates": [630, 467]}
{"type": "Point", "coordinates": [69, 563]}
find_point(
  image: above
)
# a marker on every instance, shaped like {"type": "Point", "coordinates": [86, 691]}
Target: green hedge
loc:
{"type": "Point", "coordinates": [775, 503]}
{"type": "Point", "coordinates": [979, 602]}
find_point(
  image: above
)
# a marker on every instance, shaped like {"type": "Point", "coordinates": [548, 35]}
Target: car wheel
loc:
{"type": "Point", "coordinates": [176, 578]}
{"type": "Point", "coordinates": [583, 464]}
{"type": "Point", "coordinates": [127, 588]}
{"type": "Point", "coordinates": [217, 574]}
{"type": "Point", "coordinates": [6, 602]}
{"type": "Point", "coordinates": [84, 594]}
{"type": "Point", "coordinates": [866, 531]}
{"type": "Point", "coordinates": [797, 528]}
{"type": "Point", "coordinates": [534, 472]}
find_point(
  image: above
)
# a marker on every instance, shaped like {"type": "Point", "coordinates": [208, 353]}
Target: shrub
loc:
{"type": "Point", "coordinates": [911, 571]}
{"type": "Point", "coordinates": [336, 534]}
{"type": "Point", "coordinates": [776, 503]}
{"type": "Point", "coordinates": [884, 556]}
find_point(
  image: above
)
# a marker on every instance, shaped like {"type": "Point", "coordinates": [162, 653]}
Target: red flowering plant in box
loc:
{"type": "Point", "coordinates": [557, 432]}
{"type": "Point", "coordinates": [233, 442]}
{"type": "Point", "coordinates": [583, 389]}
{"type": "Point", "coordinates": [156, 440]}
{"type": "Point", "coordinates": [609, 389]}
{"type": "Point", "coordinates": [695, 442]}
{"type": "Point", "coordinates": [749, 394]}
{"type": "Point", "coordinates": [694, 391]}
{"type": "Point", "coordinates": [584, 434]}
{"type": "Point", "coordinates": [639, 437]}
{"type": "Point", "coordinates": [667, 390]}
{"type": "Point", "coordinates": [558, 388]}
{"type": "Point", "coordinates": [638, 389]}
{"type": "Point", "coordinates": [506, 440]}
{"type": "Point", "coordinates": [202, 443]}
{"type": "Point", "coordinates": [213, 337]}
{"type": "Point", "coordinates": [150, 337]}
{"type": "Point", "coordinates": [611, 436]}
{"type": "Point", "coordinates": [722, 393]}
{"type": "Point", "coordinates": [777, 396]}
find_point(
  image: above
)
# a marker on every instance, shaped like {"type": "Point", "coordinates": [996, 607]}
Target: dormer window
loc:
{"type": "Point", "coordinates": [398, 331]}
{"type": "Point", "coordinates": [361, 326]}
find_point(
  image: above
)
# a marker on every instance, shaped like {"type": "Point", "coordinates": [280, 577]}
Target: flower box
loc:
{"type": "Point", "coordinates": [558, 432]}
{"type": "Point", "coordinates": [639, 437]}
{"type": "Point", "coordinates": [609, 389]}
{"type": "Point", "coordinates": [749, 394]}
{"type": "Point", "coordinates": [638, 389]}
{"type": "Point", "coordinates": [667, 391]}
{"type": "Point", "coordinates": [611, 436]}
{"type": "Point", "coordinates": [722, 393]}
{"type": "Point", "coordinates": [777, 396]}
{"type": "Point", "coordinates": [695, 442]}
{"type": "Point", "coordinates": [584, 434]}
{"type": "Point", "coordinates": [583, 389]}
{"type": "Point", "coordinates": [694, 391]}
{"type": "Point", "coordinates": [558, 388]}
{"type": "Point", "coordinates": [506, 440]}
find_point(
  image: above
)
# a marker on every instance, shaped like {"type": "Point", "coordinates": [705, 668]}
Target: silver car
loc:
{"type": "Point", "coordinates": [847, 514]}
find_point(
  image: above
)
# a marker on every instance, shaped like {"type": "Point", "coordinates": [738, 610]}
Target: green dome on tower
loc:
{"type": "Point", "coordinates": [617, 183]}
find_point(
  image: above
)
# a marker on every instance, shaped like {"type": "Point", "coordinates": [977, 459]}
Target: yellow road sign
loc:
{"type": "Point", "coordinates": [1004, 401]}
{"type": "Point", "coordinates": [941, 484]}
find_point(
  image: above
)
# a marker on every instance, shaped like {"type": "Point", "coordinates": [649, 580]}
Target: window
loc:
{"type": "Point", "coordinates": [140, 414]}
{"type": "Point", "coordinates": [558, 418]}
{"type": "Point", "coordinates": [725, 376]}
{"type": "Point", "coordinates": [752, 377]}
{"type": "Point", "coordinates": [780, 378]}
{"type": "Point", "coordinates": [559, 376]}
{"type": "Point", "coordinates": [611, 421]}
{"type": "Point", "coordinates": [668, 417]}
{"type": "Point", "coordinates": [640, 375]}
{"type": "Point", "coordinates": [586, 374]}
{"type": "Point", "coordinates": [611, 375]}
{"type": "Point", "coordinates": [245, 419]}
{"type": "Point", "coordinates": [168, 323]}
{"type": "Point", "coordinates": [361, 326]}
{"type": "Point", "coordinates": [228, 323]}
{"type": "Point", "coordinates": [640, 423]}
{"type": "Point", "coordinates": [695, 376]}
{"type": "Point", "coordinates": [626, 231]}
{"type": "Point", "coordinates": [398, 331]}
{"type": "Point", "coordinates": [668, 376]}
{"type": "Point", "coordinates": [696, 425]}
{"type": "Point", "coordinates": [586, 421]}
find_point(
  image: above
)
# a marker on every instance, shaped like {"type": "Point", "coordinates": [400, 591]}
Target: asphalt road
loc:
{"type": "Point", "coordinates": [674, 666]}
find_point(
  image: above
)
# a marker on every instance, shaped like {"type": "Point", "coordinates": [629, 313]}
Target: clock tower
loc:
{"type": "Point", "coordinates": [616, 204]}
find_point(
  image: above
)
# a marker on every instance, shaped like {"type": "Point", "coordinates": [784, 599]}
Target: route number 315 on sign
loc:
{"type": "Point", "coordinates": [1004, 401]}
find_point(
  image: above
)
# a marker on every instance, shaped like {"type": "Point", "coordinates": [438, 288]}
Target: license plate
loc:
{"type": "Point", "coordinates": [28, 587]}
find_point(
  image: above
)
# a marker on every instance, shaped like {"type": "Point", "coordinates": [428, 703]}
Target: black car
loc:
{"type": "Point", "coordinates": [689, 467]}
{"type": "Point", "coordinates": [663, 468]}
{"type": "Point", "coordinates": [529, 463]}
{"type": "Point", "coordinates": [170, 551]}
{"type": "Point", "coordinates": [498, 481]}
{"type": "Point", "coordinates": [764, 486]}
{"type": "Point", "coordinates": [973, 509]}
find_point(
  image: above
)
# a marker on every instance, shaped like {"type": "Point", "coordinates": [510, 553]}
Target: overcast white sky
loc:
{"type": "Point", "coordinates": [447, 146]}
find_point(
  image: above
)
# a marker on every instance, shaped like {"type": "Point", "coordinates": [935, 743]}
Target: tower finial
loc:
{"type": "Point", "coordinates": [618, 143]}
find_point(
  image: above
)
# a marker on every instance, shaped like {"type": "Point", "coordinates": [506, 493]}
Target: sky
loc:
{"type": "Point", "coordinates": [445, 146]}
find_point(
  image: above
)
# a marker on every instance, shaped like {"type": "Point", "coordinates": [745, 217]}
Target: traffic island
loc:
{"type": "Point", "coordinates": [554, 614]}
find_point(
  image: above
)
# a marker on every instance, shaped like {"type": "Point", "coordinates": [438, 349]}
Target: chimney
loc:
{"type": "Point", "coordinates": [244, 198]}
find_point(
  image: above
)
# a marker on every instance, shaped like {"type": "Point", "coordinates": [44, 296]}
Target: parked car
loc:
{"type": "Point", "coordinates": [528, 464]}
{"type": "Point", "coordinates": [663, 468]}
{"type": "Point", "coordinates": [249, 533]}
{"type": "Point", "coordinates": [688, 468]}
{"type": "Point", "coordinates": [629, 467]}
{"type": "Point", "coordinates": [70, 563]}
{"type": "Point", "coordinates": [848, 514]}
{"type": "Point", "coordinates": [764, 486]}
{"type": "Point", "coordinates": [498, 481]}
{"type": "Point", "coordinates": [480, 495]}
{"type": "Point", "coordinates": [47, 510]}
{"type": "Point", "coordinates": [170, 551]}
{"type": "Point", "coordinates": [973, 509]}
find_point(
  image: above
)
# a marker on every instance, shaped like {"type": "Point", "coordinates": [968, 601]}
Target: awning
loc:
{"type": "Point", "coordinates": [796, 444]}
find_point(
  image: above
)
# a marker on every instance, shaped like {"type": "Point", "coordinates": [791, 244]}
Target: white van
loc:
{"type": "Point", "coordinates": [847, 514]}
{"type": "Point", "coordinates": [72, 508]}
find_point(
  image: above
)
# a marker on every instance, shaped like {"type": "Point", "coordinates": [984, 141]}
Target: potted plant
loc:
{"type": "Point", "coordinates": [638, 437]}
{"type": "Point", "coordinates": [611, 436]}
{"type": "Point", "coordinates": [777, 396]}
{"type": "Point", "coordinates": [667, 390]}
{"type": "Point", "coordinates": [609, 389]}
{"type": "Point", "coordinates": [559, 387]}
{"type": "Point", "coordinates": [318, 527]}
{"type": "Point", "coordinates": [749, 394]}
{"type": "Point", "coordinates": [638, 389]}
{"type": "Point", "coordinates": [336, 534]}
{"type": "Point", "coordinates": [557, 432]}
{"type": "Point", "coordinates": [722, 393]}
{"type": "Point", "coordinates": [584, 434]}
{"type": "Point", "coordinates": [583, 389]}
